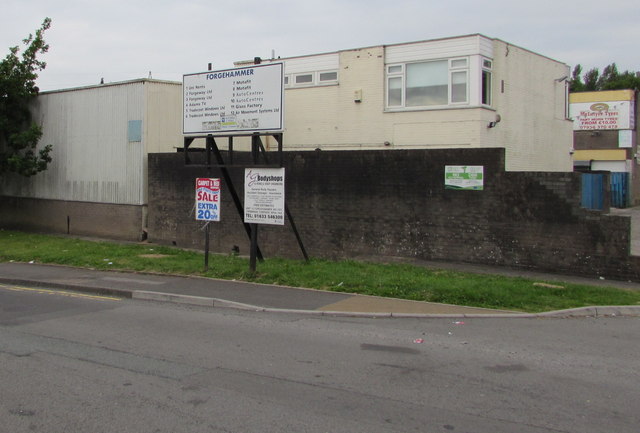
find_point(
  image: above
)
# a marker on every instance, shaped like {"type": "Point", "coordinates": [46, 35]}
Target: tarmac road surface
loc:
{"type": "Point", "coordinates": [79, 362]}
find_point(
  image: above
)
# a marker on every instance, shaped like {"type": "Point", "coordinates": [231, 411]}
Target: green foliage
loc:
{"type": "Point", "coordinates": [610, 79]}
{"type": "Point", "coordinates": [389, 280]}
{"type": "Point", "coordinates": [19, 135]}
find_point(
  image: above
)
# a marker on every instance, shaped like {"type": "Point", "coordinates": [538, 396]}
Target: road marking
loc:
{"type": "Point", "coordinates": [59, 292]}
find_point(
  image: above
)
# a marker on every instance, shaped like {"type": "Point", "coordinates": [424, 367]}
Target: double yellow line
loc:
{"type": "Point", "coordinates": [58, 292]}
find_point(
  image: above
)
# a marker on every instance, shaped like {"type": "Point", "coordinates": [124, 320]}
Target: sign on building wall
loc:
{"type": "Point", "coordinates": [264, 196]}
{"type": "Point", "coordinates": [602, 115]}
{"type": "Point", "coordinates": [234, 100]}
{"type": "Point", "coordinates": [207, 199]}
{"type": "Point", "coordinates": [464, 177]}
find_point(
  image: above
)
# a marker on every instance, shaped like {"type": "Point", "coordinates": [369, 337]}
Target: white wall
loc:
{"type": "Point", "coordinates": [526, 94]}
{"type": "Point", "coordinates": [531, 102]}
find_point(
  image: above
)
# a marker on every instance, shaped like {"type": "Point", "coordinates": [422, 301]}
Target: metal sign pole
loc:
{"type": "Point", "coordinates": [206, 247]}
{"type": "Point", "coordinates": [254, 248]}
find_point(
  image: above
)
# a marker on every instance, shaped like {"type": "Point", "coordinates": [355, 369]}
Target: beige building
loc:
{"type": "Point", "coordinates": [462, 92]}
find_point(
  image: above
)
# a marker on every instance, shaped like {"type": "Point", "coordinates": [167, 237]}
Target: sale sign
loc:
{"type": "Point", "coordinates": [207, 199]}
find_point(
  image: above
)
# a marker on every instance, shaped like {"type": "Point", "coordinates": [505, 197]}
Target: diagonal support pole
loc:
{"type": "Point", "coordinates": [213, 147]}
{"type": "Point", "coordinates": [286, 207]}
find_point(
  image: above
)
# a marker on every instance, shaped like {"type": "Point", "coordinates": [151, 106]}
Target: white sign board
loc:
{"type": "Point", "coordinates": [464, 177]}
{"type": "Point", "coordinates": [264, 196]}
{"type": "Point", "coordinates": [207, 199]}
{"type": "Point", "coordinates": [248, 99]}
{"type": "Point", "coordinates": [602, 115]}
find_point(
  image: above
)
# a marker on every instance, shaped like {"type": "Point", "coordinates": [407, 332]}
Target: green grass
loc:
{"type": "Point", "coordinates": [388, 280]}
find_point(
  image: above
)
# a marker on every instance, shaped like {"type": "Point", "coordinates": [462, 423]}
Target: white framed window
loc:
{"type": "Point", "coordinates": [459, 63]}
{"type": "Point", "coordinates": [395, 86]}
{"type": "Point", "coordinates": [326, 77]}
{"type": "Point", "coordinates": [459, 93]}
{"type": "Point", "coordinates": [303, 79]}
{"type": "Point", "coordinates": [394, 93]}
{"type": "Point", "coordinates": [486, 81]}
{"type": "Point", "coordinates": [433, 83]}
{"type": "Point", "coordinates": [309, 79]}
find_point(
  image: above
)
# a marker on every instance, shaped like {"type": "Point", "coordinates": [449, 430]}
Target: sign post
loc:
{"type": "Point", "coordinates": [244, 101]}
{"type": "Point", "coordinates": [207, 208]}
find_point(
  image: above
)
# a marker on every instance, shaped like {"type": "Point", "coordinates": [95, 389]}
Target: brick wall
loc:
{"type": "Point", "coordinates": [113, 221]}
{"type": "Point", "coordinates": [392, 204]}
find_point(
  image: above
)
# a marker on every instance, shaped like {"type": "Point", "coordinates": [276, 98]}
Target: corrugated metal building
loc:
{"type": "Point", "coordinates": [97, 181]}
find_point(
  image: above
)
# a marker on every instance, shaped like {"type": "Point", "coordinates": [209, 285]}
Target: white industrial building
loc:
{"type": "Point", "coordinates": [101, 135]}
{"type": "Point", "coordinates": [461, 92]}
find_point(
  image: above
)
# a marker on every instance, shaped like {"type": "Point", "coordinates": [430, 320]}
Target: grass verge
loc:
{"type": "Point", "coordinates": [388, 280]}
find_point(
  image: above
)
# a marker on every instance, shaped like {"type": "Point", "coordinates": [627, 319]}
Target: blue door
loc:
{"type": "Point", "coordinates": [593, 191]}
{"type": "Point", "coordinates": [619, 188]}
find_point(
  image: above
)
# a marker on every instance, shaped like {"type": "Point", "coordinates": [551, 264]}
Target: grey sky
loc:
{"type": "Point", "coordinates": [122, 40]}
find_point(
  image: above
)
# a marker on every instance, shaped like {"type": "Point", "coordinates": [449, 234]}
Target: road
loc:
{"type": "Point", "coordinates": [92, 364]}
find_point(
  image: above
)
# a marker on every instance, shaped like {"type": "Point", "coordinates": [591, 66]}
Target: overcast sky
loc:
{"type": "Point", "coordinates": [122, 40]}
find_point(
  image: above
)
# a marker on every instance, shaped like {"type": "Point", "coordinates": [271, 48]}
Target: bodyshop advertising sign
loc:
{"type": "Point", "coordinates": [237, 100]}
{"type": "Point", "coordinates": [264, 196]}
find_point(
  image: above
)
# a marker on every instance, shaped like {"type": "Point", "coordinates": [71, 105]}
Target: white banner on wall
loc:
{"type": "Point", "coordinates": [464, 177]}
{"type": "Point", "coordinates": [249, 99]}
{"type": "Point", "coordinates": [602, 115]}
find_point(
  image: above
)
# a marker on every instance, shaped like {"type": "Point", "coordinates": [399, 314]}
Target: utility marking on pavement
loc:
{"type": "Point", "coordinates": [59, 292]}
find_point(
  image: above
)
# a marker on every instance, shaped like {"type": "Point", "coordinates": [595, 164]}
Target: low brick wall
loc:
{"type": "Point", "coordinates": [111, 221]}
{"type": "Point", "coordinates": [393, 204]}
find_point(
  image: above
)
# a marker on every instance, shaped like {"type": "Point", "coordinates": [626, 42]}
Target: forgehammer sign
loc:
{"type": "Point", "coordinates": [233, 101]}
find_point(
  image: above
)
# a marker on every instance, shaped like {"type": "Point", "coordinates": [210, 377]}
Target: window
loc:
{"type": "Point", "coordinates": [394, 69]}
{"type": "Point", "coordinates": [395, 92]}
{"type": "Point", "coordinates": [486, 82]}
{"type": "Point", "coordinates": [324, 77]}
{"type": "Point", "coordinates": [459, 87]}
{"type": "Point", "coordinates": [308, 79]}
{"type": "Point", "coordinates": [303, 79]}
{"type": "Point", "coordinates": [428, 84]}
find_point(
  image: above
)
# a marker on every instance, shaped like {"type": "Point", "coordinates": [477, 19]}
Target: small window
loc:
{"type": "Point", "coordinates": [458, 87]}
{"type": "Point", "coordinates": [486, 87]}
{"type": "Point", "coordinates": [394, 94]}
{"type": "Point", "coordinates": [286, 80]}
{"type": "Point", "coordinates": [395, 69]}
{"type": "Point", "coordinates": [304, 79]}
{"type": "Point", "coordinates": [328, 76]}
{"type": "Point", "coordinates": [486, 64]}
{"type": "Point", "coordinates": [458, 63]}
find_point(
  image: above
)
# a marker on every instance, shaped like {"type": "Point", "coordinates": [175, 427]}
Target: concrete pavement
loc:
{"type": "Point", "coordinates": [264, 297]}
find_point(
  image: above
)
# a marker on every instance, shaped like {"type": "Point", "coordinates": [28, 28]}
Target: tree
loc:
{"type": "Point", "coordinates": [19, 135]}
{"type": "Point", "coordinates": [610, 79]}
